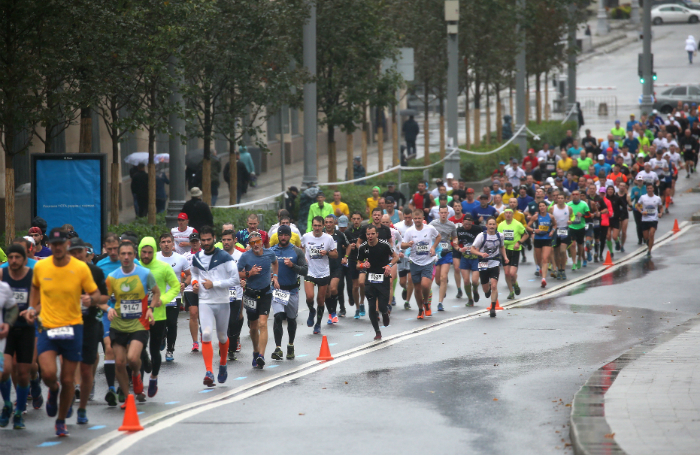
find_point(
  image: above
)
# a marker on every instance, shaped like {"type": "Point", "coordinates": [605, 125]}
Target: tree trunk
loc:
{"type": "Point", "coordinates": [394, 137]}
{"type": "Point", "coordinates": [332, 161]}
{"type": "Point", "coordinates": [467, 124]}
{"type": "Point", "coordinates": [442, 126]}
{"type": "Point", "coordinates": [152, 164]}
{"type": "Point", "coordinates": [114, 196]}
{"type": "Point", "coordinates": [233, 173]}
{"type": "Point", "coordinates": [364, 145]}
{"type": "Point", "coordinates": [380, 148]}
{"type": "Point", "coordinates": [349, 155]}
{"type": "Point", "coordinates": [206, 162]}
{"type": "Point", "coordinates": [538, 99]}
{"type": "Point", "coordinates": [85, 130]}
{"type": "Point", "coordinates": [510, 98]}
{"type": "Point", "coordinates": [477, 112]}
{"type": "Point", "coordinates": [426, 124]}
{"type": "Point", "coordinates": [527, 99]}
{"type": "Point", "coordinates": [9, 201]}
{"type": "Point", "coordinates": [546, 96]}
{"type": "Point", "coordinates": [488, 115]}
{"type": "Point", "coordinates": [499, 115]}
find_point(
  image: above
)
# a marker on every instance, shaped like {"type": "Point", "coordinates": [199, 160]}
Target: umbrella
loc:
{"type": "Point", "coordinates": [195, 157]}
{"type": "Point", "coordinates": [142, 157]}
{"type": "Point", "coordinates": [408, 112]}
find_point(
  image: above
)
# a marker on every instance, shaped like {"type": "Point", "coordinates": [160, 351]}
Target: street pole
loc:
{"type": "Point", "coordinates": [602, 28]}
{"type": "Point", "coordinates": [452, 18]}
{"type": "Point", "coordinates": [521, 72]}
{"type": "Point", "coordinates": [310, 178]}
{"type": "Point", "coordinates": [634, 14]}
{"type": "Point", "coordinates": [647, 103]}
{"type": "Point", "coordinates": [176, 151]}
{"type": "Point", "coordinates": [571, 70]}
{"type": "Point", "coordinates": [282, 110]}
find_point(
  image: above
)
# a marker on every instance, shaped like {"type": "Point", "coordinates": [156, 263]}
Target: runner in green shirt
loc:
{"type": "Point", "coordinates": [514, 233]}
{"type": "Point", "coordinates": [577, 228]}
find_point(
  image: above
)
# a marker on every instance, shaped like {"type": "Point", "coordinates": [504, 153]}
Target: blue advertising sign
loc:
{"type": "Point", "coordinates": [69, 188]}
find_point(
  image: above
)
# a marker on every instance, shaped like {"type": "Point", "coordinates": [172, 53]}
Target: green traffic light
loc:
{"type": "Point", "coordinates": [641, 80]}
{"type": "Point", "coordinates": [653, 76]}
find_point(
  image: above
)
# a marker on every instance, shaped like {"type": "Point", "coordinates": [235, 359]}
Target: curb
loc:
{"type": "Point", "coordinates": [589, 430]}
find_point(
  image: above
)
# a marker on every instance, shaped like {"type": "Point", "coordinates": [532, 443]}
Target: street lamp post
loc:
{"type": "Point", "coordinates": [310, 178]}
{"type": "Point", "coordinates": [177, 153]}
{"type": "Point", "coordinates": [603, 28]}
{"type": "Point", "coordinates": [571, 68]}
{"type": "Point", "coordinates": [634, 14]}
{"type": "Point", "coordinates": [520, 75]}
{"type": "Point", "coordinates": [452, 19]}
{"type": "Point", "coordinates": [647, 103]}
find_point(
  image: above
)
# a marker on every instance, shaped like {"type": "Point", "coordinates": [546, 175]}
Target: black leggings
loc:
{"type": "Point", "coordinates": [279, 331]}
{"type": "Point", "coordinates": [638, 222]}
{"type": "Point", "coordinates": [171, 313]}
{"type": "Point", "coordinates": [157, 333]}
{"type": "Point", "coordinates": [372, 298]}
{"type": "Point", "coordinates": [603, 237]}
{"type": "Point", "coordinates": [235, 325]}
{"type": "Point", "coordinates": [345, 283]}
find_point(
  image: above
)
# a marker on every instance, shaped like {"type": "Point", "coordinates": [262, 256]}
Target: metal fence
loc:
{"type": "Point", "coordinates": [599, 105]}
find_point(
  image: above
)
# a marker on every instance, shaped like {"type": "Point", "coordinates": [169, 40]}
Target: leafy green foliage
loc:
{"type": "Point", "coordinates": [551, 132]}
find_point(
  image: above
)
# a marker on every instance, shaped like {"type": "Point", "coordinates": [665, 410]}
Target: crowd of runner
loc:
{"type": "Point", "coordinates": [63, 299]}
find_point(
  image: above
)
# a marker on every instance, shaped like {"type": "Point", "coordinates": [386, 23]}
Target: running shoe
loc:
{"type": "Point", "coordinates": [622, 249]}
{"type": "Point", "coordinates": [153, 387]}
{"type": "Point", "coordinates": [428, 311]}
{"type": "Point", "coordinates": [76, 393]}
{"type": "Point", "coordinates": [82, 416]}
{"type": "Point", "coordinates": [310, 319]}
{"type": "Point", "coordinates": [573, 267]}
{"type": "Point", "coordinates": [18, 421]}
{"type": "Point", "coordinates": [317, 329]}
{"type": "Point", "coordinates": [70, 409]}
{"type": "Point", "coordinates": [590, 256]}
{"type": "Point", "coordinates": [612, 255]}
{"type": "Point", "coordinates": [563, 275]}
{"type": "Point", "coordinates": [255, 359]}
{"type": "Point", "coordinates": [223, 374]}
{"type": "Point", "coordinates": [260, 362]}
{"type": "Point", "coordinates": [330, 319]}
{"type": "Point", "coordinates": [470, 303]}
{"type": "Point", "coordinates": [578, 265]}
{"type": "Point", "coordinates": [169, 356]}
{"type": "Point", "coordinates": [162, 344]}
{"type": "Point", "coordinates": [476, 294]}
{"type": "Point", "coordinates": [111, 397]}
{"type": "Point", "coordinates": [486, 294]}
{"type": "Point", "coordinates": [385, 319]}
{"type": "Point", "coordinates": [35, 390]}
{"type": "Point", "coordinates": [52, 403]}
{"type": "Point", "coordinates": [404, 293]}
{"type": "Point", "coordinates": [595, 258]}
{"type": "Point", "coordinates": [378, 336]}
{"type": "Point", "coordinates": [440, 307]}
{"type": "Point", "coordinates": [516, 288]}
{"type": "Point", "coordinates": [420, 315]}
{"type": "Point", "coordinates": [406, 306]}
{"type": "Point", "coordinates": [544, 282]}
{"type": "Point", "coordinates": [334, 318]}
{"type": "Point", "coordinates": [290, 352]}
{"type": "Point", "coordinates": [511, 296]}
{"type": "Point", "coordinates": [537, 271]}
{"type": "Point", "coordinates": [585, 263]}
{"type": "Point", "coordinates": [357, 314]}
{"type": "Point", "coordinates": [209, 379]}
{"type": "Point", "coordinates": [195, 347]}
{"type": "Point", "coordinates": [617, 245]}
{"type": "Point", "coordinates": [362, 310]}
{"type": "Point", "coordinates": [6, 414]}
{"type": "Point", "coordinates": [342, 313]}
{"type": "Point", "coordinates": [393, 301]}
{"type": "Point", "coordinates": [232, 356]}
{"type": "Point", "coordinates": [492, 311]}
{"type": "Point", "coordinates": [120, 393]}
{"type": "Point", "coordinates": [137, 383]}
{"type": "Point", "coordinates": [61, 430]}
{"type": "Point", "coordinates": [146, 363]}
{"type": "Point", "coordinates": [238, 345]}
{"type": "Point", "coordinates": [278, 354]}
{"type": "Point", "coordinates": [459, 293]}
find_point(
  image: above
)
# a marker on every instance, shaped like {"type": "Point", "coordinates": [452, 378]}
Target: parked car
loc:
{"type": "Point", "coordinates": [669, 98]}
{"type": "Point", "coordinates": [673, 13]}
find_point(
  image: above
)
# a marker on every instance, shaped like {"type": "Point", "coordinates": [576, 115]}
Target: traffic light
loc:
{"type": "Point", "coordinates": [641, 80]}
{"type": "Point", "coordinates": [640, 66]}
{"type": "Point", "coordinates": [653, 76]}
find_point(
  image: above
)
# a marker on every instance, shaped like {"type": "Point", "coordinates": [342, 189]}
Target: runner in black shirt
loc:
{"type": "Point", "coordinates": [377, 257]}
{"type": "Point", "coordinates": [336, 265]}
{"type": "Point", "coordinates": [466, 234]}
{"type": "Point", "coordinates": [383, 233]}
{"type": "Point", "coordinates": [353, 234]}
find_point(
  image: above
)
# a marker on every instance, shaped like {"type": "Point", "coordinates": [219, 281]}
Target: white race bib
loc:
{"type": "Point", "coordinates": [250, 302]}
{"type": "Point", "coordinates": [563, 232]}
{"type": "Point", "coordinates": [281, 297]}
{"type": "Point", "coordinates": [422, 250]}
{"type": "Point", "coordinates": [596, 223]}
{"type": "Point", "coordinates": [375, 277]}
{"type": "Point", "coordinates": [20, 297]}
{"type": "Point", "coordinates": [445, 246]}
{"type": "Point", "coordinates": [131, 309]}
{"type": "Point", "coordinates": [509, 235]}
{"type": "Point", "coordinates": [483, 265]}
{"type": "Point", "coordinates": [232, 294]}
{"type": "Point", "coordinates": [61, 333]}
{"type": "Point", "coordinates": [315, 252]}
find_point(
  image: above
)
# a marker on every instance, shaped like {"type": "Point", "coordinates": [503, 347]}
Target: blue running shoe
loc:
{"type": "Point", "coordinates": [440, 307]}
{"type": "Point", "coordinates": [209, 379]}
{"type": "Point", "coordinates": [312, 315]}
{"type": "Point", "coordinates": [317, 329]}
{"type": "Point", "coordinates": [590, 256]}
{"type": "Point", "coordinates": [35, 392]}
{"type": "Point", "coordinates": [330, 319]}
{"type": "Point", "coordinates": [61, 430]}
{"type": "Point", "coordinates": [362, 310]}
{"type": "Point", "coordinates": [255, 359]}
{"type": "Point", "coordinates": [393, 299]}
{"type": "Point", "coordinates": [585, 263]}
{"type": "Point", "coordinates": [169, 356]}
{"type": "Point", "coordinates": [357, 314]}
{"type": "Point", "coordinates": [162, 344]}
{"type": "Point", "coordinates": [52, 405]}
{"type": "Point", "coordinates": [70, 409]}
{"type": "Point", "coordinates": [82, 417]}
{"type": "Point", "coordinates": [223, 374]}
{"type": "Point", "coordinates": [152, 387]}
{"type": "Point", "coordinates": [6, 414]}
{"type": "Point", "coordinates": [18, 421]}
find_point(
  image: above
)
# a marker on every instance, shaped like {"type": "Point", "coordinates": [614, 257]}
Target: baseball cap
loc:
{"type": "Point", "coordinates": [182, 216]}
{"type": "Point", "coordinates": [57, 235]}
{"type": "Point", "coordinates": [468, 216]}
{"type": "Point", "coordinates": [284, 229]}
{"type": "Point", "coordinates": [196, 192]}
{"type": "Point", "coordinates": [470, 190]}
{"type": "Point", "coordinates": [483, 196]}
{"type": "Point", "coordinates": [195, 236]}
{"type": "Point", "coordinates": [442, 197]}
{"type": "Point", "coordinates": [29, 239]}
{"type": "Point", "coordinates": [617, 121]}
{"type": "Point", "coordinates": [639, 178]}
{"type": "Point", "coordinates": [601, 157]}
{"type": "Point", "coordinates": [609, 149]}
{"type": "Point", "coordinates": [343, 221]}
{"type": "Point", "coordinates": [389, 200]}
{"type": "Point", "coordinates": [77, 244]}
{"type": "Point", "coordinates": [35, 230]}
{"type": "Point", "coordinates": [502, 163]}
{"type": "Point", "coordinates": [531, 151]}
{"type": "Point", "coordinates": [450, 175]}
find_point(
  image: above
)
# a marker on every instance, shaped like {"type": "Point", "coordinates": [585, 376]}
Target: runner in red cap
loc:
{"type": "Point", "coordinates": [181, 233]}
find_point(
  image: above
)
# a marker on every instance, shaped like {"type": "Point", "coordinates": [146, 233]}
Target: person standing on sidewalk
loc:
{"type": "Point", "coordinates": [197, 211]}
{"type": "Point", "coordinates": [690, 47]}
{"type": "Point", "coordinates": [410, 133]}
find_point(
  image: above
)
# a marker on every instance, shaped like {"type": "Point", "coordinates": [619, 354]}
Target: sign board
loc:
{"type": "Point", "coordinates": [71, 188]}
{"type": "Point", "coordinates": [404, 64]}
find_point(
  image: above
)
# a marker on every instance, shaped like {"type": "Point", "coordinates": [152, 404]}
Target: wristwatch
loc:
{"type": "Point", "coordinates": [247, 274]}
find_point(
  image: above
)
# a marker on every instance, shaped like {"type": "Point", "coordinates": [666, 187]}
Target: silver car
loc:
{"type": "Point", "coordinates": [673, 13]}
{"type": "Point", "coordinates": [669, 98]}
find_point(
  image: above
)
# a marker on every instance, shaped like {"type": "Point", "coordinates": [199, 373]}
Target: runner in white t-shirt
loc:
{"type": "Point", "coordinates": [652, 209]}
{"type": "Point", "coordinates": [181, 234]}
{"type": "Point", "coordinates": [422, 239]}
{"type": "Point", "coordinates": [181, 267]}
{"type": "Point", "coordinates": [318, 246]}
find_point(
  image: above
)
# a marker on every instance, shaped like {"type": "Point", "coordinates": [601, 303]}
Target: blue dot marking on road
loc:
{"type": "Point", "coordinates": [332, 344]}
{"type": "Point", "coordinates": [456, 306]}
{"type": "Point", "coordinates": [49, 444]}
{"type": "Point", "coordinates": [139, 413]}
{"type": "Point", "coordinates": [359, 334]}
{"type": "Point", "coordinates": [531, 280]}
{"type": "Point", "coordinates": [410, 319]}
{"type": "Point", "coordinates": [302, 355]}
{"type": "Point", "coordinates": [97, 427]}
{"type": "Point", "coordinates": [273, 366]}
{"type": "Point", "coordinates": [172, 402]}
{"type": "Point", "coordinates": [205, 391]}
{"type": "Point", "coordinates": [240, 378]}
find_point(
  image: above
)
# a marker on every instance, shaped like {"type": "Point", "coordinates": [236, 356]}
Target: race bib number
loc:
{"type": "Point", "coordinates": [544, 228]}
{"type": "Point", "coordinates": [315, 252]}
{"type": "Point", "coordinates": [650, 209]}
{"type": "Point", "coordinates": [232, 294]}
{"type": "Point", "coordinates": [578, 217]}
{"type": "Point", "coordinates": [550, 167]}
{"type": "Point", "coordinates": [131, 309]}
{"type": "Point", "coordinates": [422, 250]}
{"type": "Point", "coordinates": [509, 235]}
{"type": "Point", "coordinates": [688, 147]}
{"type": "Point", "coordinates": [376, 277]}
{"type": "Point", "coordinates": [21, 299]}
{"type": "Point", "coordinates": [281, 297]}
{"type": "Point", "coordinates": [563, 232]}
{"type": "Point", "coordinates": [596, 223]}
{"type": "Point", "coordinates": [483, 265]}
{"type": "Point", "coordinates": [61, 333]}
{"type": "Point", "coordinates": [250, 303]}
{"type": "Point", "coordinates": [445, 246]}
{"type": "Point", "coordinates": [173, 303]}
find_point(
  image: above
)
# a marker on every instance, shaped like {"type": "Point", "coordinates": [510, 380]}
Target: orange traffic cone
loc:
{"type": "Point", "coordinates": [131, 417]}
{"type": "Point", "coordinates": [325, 353]}
{"type": "Point", "coordinates": [676, 229]}
{"type": "Point", "coordinates": [608, 260]}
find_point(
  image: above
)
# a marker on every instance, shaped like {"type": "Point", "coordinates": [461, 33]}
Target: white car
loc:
{"type": "Point", "coordinates": [673, 13]}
